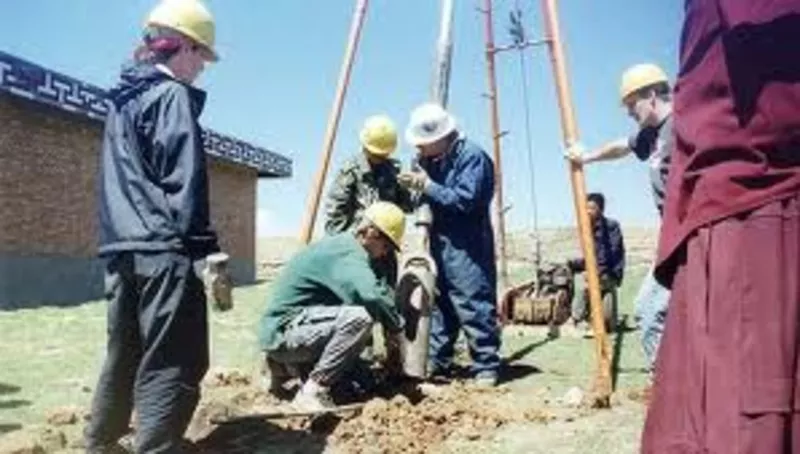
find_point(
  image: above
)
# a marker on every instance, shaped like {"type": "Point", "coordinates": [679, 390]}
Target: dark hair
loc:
{"type": "Point", "coordinates": [599, 199]}
{"type": "Point", "coordinates": [159, 44]}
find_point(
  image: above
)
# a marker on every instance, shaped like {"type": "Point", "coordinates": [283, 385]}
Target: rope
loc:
{"type": "Point", "coordinates": [517, 32]}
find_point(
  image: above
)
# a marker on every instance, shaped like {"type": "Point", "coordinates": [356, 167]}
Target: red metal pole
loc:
{"type": "Point", "coordinates": [494, 118]}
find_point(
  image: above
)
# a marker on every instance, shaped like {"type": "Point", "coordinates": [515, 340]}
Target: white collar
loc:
{"type": "Point", "coordinates": [165, 69]}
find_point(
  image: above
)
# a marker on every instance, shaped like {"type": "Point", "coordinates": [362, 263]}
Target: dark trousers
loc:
{"type": "Point", "coordinates": [157, 351]}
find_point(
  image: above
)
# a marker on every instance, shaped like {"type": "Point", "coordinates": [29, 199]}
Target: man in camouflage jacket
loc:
{"type": "Point", "coordinates": [366, 178]}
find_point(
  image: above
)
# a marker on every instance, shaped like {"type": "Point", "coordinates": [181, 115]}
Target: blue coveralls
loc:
{"type": "Point", "coordinates": [462, 245]}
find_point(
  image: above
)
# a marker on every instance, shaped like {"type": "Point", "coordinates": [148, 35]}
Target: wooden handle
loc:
{"type": "Point", "coordinates": [570, 133]}
{"type": "Point", "coordinates": [333, 121]}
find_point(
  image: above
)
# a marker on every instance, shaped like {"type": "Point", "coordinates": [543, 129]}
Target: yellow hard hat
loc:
{"type": "Point", "coordinates": [389, 219]}
{"type": "Point", "coordinates": [189, 17]}
{"type": "Point", "coordinates": [640, 76]}
{"type": "Point", "coordinates": [379, 135]}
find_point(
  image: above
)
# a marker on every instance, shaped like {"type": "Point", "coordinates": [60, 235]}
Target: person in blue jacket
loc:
{"type": "Point", "coordinates": [609, 250]}
{"type": "Point", "coordinates": [455, 177]}
{"type": "Point", "coordinates": [154, 233]}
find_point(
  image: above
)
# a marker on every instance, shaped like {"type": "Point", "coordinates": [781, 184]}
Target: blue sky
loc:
{"type": "Point", "coordinates": [280, 62]}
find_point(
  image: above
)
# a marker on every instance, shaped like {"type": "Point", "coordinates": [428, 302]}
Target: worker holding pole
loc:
{"type": "Point", "coordinates": [646, 94]}
{"type": "Point", "coordinates": [365, 178]}
{"type": "Point", "coordinates": [456, 178]}
{"type": "Point", "coordinates": [727, 377]}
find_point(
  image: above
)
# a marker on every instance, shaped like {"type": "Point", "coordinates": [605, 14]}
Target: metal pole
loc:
{"type": "Point", "coordinates": [333, 120]}
{"type": "Point", "coordinates": [495, 122]}
{"type": "Point", "coordinates": [444, 55]}
{"type": "Point", "coordinates": [570, 132]}
{"type": "Point", "coordinates": [440, 87]}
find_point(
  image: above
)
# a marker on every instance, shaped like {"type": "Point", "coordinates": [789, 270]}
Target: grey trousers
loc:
{"type": "Point", "coordinates": [326, 339]}
{"type": "Point", "coordinates": [608, 292]}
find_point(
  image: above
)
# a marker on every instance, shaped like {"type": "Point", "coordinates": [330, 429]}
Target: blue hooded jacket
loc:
{"type": "Point", "coordinates": [153, 184]}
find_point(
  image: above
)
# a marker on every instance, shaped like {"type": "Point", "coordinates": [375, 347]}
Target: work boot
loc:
{"type": "Point", "coordinates": [485, 379]}
{"type": "Point", "coordinates": [439, 374]}
{"type": "Point", "coordinates": [277, 378]}
{"type": "Point", "coordinates": [312, 398]}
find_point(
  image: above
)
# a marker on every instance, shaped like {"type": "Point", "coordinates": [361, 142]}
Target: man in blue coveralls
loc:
{"type": "Point", "coordinates": [456, 178]}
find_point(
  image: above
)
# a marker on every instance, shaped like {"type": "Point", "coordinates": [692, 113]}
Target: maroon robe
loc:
{"type": "Point", "coordinates": [727, 377]}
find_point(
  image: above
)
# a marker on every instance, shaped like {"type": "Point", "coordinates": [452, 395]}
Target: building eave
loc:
{"type": "Point", "coordinates": [28, 80]}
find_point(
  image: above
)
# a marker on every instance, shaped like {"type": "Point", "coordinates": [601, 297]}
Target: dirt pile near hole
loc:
{"type": "Point", "coordinates": [40, 440]}
{"type": "Point", "coordinates": [218, 378]}
{"type": "Point", "coordinates": [402, 425]}
{"type": "Point", "coordinates": [66, 416]}
{"type": "Point", "coordinates": [403, 420]}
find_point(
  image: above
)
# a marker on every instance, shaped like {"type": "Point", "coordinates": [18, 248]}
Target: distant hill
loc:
{"type": "Point", "coordinates": [557, 244]}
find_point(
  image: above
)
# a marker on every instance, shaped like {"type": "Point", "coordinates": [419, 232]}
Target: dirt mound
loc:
{"type": "Point", "coordinates": [641, 395]}
{"type": "Point", "coordinates": [40, 440]}
{"type": "Point", "coordinates": [66, 416]}
{"type": "Point", "coordinates": [456, 411]}
{"type": "Point", "coordinates": [227, 378]}
{"type": "Point", "coordinates": [404, 420]}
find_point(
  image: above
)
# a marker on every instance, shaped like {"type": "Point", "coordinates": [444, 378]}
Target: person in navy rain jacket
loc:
{"type": "Point", "coordinates": [154, 233]}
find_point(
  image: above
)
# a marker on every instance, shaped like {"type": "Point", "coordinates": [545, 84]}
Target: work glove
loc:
{"type": "Point", "coordinates": [575, 152]}
{"type": "Point", "coordinates": [416, 180]}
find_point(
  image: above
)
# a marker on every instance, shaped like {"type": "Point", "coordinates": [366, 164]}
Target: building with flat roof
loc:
{"type": "Point", "coordinates": [51, 129]}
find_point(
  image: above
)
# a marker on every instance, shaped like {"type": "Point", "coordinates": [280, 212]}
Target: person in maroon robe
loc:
{"type": "Point", "coordinates": [728, 376]}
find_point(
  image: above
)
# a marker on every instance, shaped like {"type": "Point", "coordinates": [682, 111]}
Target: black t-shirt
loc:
{"type": "Point", "coordinates": [653, 145]}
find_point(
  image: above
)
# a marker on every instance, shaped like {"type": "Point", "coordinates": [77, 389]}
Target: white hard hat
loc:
{"type": "Point", "coordinates": [429, 123]}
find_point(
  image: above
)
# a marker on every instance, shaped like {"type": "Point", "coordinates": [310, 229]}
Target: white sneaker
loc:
{"type": "Point", "coordinates": [312, 398]}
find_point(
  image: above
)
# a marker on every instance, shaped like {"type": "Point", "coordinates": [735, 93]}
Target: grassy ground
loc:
{"type": "Point", "coordinates": [50, 359]}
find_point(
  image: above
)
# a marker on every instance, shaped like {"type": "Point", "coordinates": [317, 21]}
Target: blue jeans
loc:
{"type": "Point", "coordinates": [651, 313]}
{"type": "Point", "coordinates": [477, 316]}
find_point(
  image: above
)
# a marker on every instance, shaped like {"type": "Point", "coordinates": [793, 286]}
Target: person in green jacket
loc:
{"type": "Point", "coordinates": [322, 307]}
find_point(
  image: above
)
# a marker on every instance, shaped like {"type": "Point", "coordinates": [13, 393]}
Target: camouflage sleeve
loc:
{"type": "Point", "coordinates": [339, 203]}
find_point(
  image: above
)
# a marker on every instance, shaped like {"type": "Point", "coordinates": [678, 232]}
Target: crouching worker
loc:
{"type": "Point", "coordinates": [322, 307]}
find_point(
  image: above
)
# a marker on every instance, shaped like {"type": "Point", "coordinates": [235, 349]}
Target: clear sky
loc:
{"type": "Point", "coordinates": [281, 58]}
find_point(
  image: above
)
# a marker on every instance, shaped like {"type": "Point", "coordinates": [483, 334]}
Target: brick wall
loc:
{"type": "Point", "coordinates": [48, 166]}
{"type": "Point", "coordinates": [233, 207]}
{"type": "Point", "coordinates": [48, 162]}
